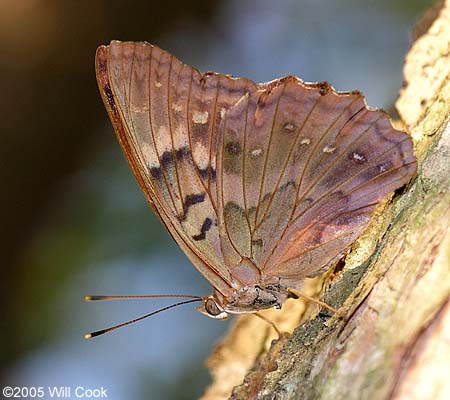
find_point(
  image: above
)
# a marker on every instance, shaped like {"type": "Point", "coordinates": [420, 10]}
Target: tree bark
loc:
{"type": "Point", "coordinates": [393, 288]}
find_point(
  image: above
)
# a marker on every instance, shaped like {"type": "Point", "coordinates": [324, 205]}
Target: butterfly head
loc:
{"type": "Point", "coordinates": [247, 299]}
{"type": "Point", "coordinates": [212, 307]}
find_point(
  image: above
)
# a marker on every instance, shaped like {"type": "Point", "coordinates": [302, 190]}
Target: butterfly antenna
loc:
{"type": "Point", "coordinates": [132, 321]}
{"type": "Point", "coordinates": [157, 296]}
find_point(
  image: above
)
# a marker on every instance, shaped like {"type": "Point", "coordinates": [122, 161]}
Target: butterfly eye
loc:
{"type": "Point", "coordinates": [212, 308]}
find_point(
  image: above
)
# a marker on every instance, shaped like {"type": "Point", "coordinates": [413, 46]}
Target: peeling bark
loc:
{"type": "Point", "coordinates": [394, 288]}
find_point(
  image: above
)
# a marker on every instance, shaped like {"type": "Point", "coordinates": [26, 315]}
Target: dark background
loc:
{"type": "Point", "coordinates": [73, 220]}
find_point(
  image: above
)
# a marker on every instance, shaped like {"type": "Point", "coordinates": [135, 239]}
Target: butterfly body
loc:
{"type": "Point", "coordinates": [261, 185]}
{"type": "Point", "coordinates": [248, 299]}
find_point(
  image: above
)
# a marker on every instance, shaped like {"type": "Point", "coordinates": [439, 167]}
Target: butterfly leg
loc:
{"type": "Point", "coordinates": [271, 323]}
{"type": "Point", "coordinates": [294, 293]}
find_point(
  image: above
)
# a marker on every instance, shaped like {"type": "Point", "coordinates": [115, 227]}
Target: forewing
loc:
{"type": "Point", "coordinates": [166, 116]}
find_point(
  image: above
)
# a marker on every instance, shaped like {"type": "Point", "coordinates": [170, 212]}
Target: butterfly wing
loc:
{"type": "Point", "coordinates": [166, 116]}
{"type": "Point", "coordinates": [302, 170]}
{"type": "Point", "coordinates": [286, 173]}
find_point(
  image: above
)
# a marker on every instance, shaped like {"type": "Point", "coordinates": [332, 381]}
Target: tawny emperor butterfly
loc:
{"type": "Point", "coordinates": [261, 185]}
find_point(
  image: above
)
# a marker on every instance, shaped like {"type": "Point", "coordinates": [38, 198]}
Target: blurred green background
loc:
{"type": "Point", "coordinates": [74, 221]}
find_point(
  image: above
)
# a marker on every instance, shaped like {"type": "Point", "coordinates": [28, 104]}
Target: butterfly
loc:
{"type": "Point", "coordinates": [261, 185]}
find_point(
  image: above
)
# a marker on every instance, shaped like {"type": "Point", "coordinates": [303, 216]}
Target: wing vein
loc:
{"type": "Point", "coordinates": [276, 242]}
{"type": "Point", "coordinates": [174, 157]}
{"type": "Point", "coordinates": [188, 243]}
{"type": "Point", "coordinates": [221, 191]}
{"type": "Point", "coordinates": [211, 133]}
{"type": "Point", "coordinates": [374, 162]}
{"type": "Point", "coordinates": [375, 177]}
{"type": "Point", "coordinates": [331, 239]}
{"type": "Point", "coordinates": [294, 144]}
{"type": "Point", "coordinates": [339, 157]}
{"type": "Point", "coordinates": [320, 141]}
{"type": "Point", "coordinates": [356, 187]}
{"type": "Point", "coordinates": [353, 190]}
{"type": "Point", "coordinates": [207, 189]}
{"type": "Point", "coordinates": [291, 220]}
{"type": "Point", "coordinates": [128, 102]}
{"type": "Point", "coordinates": [163, 172]}
{"type": "Point", "coordinates": [244, 197]}
{"type": "Point", "coordinates": [263, 177]}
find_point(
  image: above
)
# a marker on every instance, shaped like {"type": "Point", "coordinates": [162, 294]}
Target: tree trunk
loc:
{"type": "Point", "coordinates": [393, 289]}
